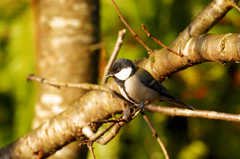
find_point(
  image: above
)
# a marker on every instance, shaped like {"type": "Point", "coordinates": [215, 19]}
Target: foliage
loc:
{"type": "Point", "coordinates": [16, 62]}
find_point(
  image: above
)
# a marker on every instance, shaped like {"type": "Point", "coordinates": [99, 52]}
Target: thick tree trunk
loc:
{"type": "Point", "coordinates": [66, 31]}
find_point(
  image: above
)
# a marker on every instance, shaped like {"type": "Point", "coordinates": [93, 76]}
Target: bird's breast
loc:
{"type": "Point", "coordinates": [137, 91]}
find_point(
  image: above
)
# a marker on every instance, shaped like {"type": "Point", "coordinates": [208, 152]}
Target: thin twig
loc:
{"type": "Point", "coordinates": [96, 46]}
{"type": "Point", "coordinates": [103, 132]}
{"type": "Point", "coordinates": [117, 47]}
{"type": "Point", "coordinates": [89, 145]}
{"type": "Point", "coordinates": [113, 132]}
{"type": "Point", "coordinates": [109, 121]}
{"type": "Point", "coordinates": [120, 119]}
{"type": "Point", "coordinates": [233, 4]}
{"type": "Point", "coordinates": [116, 128]}
{"type": "Point", "coordinates": [93, 138]}
{"type": "Point", "coordinates": [193, 113]}
{"type": "Point", "coordinates": [156, 135]}
{"type": "Point", "coordinates": [108, 128]}
{"type": "Point", "coordinates": [116, 125]}
{"type": "Point", "coordinates": [40, 154]}
{"type": "Point", "coordinates": [131, 30]}
{"type": "Point", "coordinates": [59, 84]}
{"type": "Point", "coordinates": [159, 42]}
{"type": "Point", "coordinates": [104, 140]}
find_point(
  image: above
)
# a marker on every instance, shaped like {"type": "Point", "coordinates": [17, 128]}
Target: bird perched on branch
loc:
{"type": "Point", "coordinates": [138, 86]}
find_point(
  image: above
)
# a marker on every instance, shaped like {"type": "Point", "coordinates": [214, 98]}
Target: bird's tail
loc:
{"type": "Point", "coordinates": [181, 104]}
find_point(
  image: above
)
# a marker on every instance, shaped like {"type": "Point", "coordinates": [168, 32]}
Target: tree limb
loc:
{"type": "Point", "coordinates": [206, 19]}
{"type": "Point", "coordinates": [156, 135]}
{"type": "Point", "coordinates": [117, 47]}
{"type": "Point", "coordinates": [196, 113]}
{"type": "Point", "coordinates": [131, 30]}
{"type": "Point", "coordinates": [58, 84]}
{"type": "Point", "coordinates": [65, 127]}
{"type": "Point", "coordinates": [221, 48]}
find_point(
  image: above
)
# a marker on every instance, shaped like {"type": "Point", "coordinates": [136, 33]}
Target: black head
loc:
{"type": "Point", "coordinates": [122, 69]}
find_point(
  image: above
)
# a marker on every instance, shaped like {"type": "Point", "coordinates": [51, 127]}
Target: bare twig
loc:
{"type": "Point", "coordinates": [40, 154]}
{"type": "Point", "coordinates": [102, 133]}
{"type": "Point", "coordinates": [205, 20]}
{"type": "Point", "coordinates": [122, 117]}
{"type": "Point", "coordinates": [59, 84]}
{"type": "Point", "coordinates": [117, 47]}
{"type": "Point", "coordinates": [193, 113]}
{"type": "Point", "coordinates": [131, 30]}
{"type": "Point", "coordinates": [113, 132]}
{"type": "Point", "coordinates": [159, 42]}
{"type": "Point", "coordinates": [89, 145]}
{"type": "Point", "coordinates": [116, 125]}
{"type": "Point", "coordinates": [96, 46]}
{"type": "Point", "coordinates": [156, 135]}
{"type": "Point", "coordinates": [92, 137]}
{"type": "Point", "coordinates": [104, 140]}
{"type": "Point", "coordinates": [233, 4]}
{"type": "Point", "coordinates": [109, 121]}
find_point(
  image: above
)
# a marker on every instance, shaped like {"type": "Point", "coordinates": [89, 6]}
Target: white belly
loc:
{"type": "Point", "coordinates": [139, 92]}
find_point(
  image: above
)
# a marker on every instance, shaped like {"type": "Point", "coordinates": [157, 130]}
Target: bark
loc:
{"type": "Point", "coordinates": [206, 19]}
{"type": "Point", "coordinates": [65, 127]}
{"type": "Point", "coordinates": [66, 31]}
{"type": "Point", "coordinates": [202, 23]}
{"type": "Point", "coordinates": [96, 105]}
{"type": "Point", "coordinates": [221, 48]}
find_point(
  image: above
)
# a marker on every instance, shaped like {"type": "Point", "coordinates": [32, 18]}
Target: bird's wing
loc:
{"type": "Point", "coordinates": [148, 80]}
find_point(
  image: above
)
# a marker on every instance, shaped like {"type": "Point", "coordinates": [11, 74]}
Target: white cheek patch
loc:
{"type": "Point", "coordinates": [124, 73]}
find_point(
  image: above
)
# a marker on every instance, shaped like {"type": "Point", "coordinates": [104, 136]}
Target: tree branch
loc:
{"type": "Point", "coordinates": [66, 126]}
{"type": "Point", "coordinates": [96, 105]}
{"type": "Point", "coordinates": [131, 30]}
{"type": "Point", "coordinates": [59, 84]}
{"type": "Point", "coordinates": [156, 135]}
{"type": "Point", "coordinates": [221, 48]}
{"type": "Point", "coordinates": [193, 113]}
{"type": "Point", "coordinates": [90, 147]}
{"type": "Point", "coordinates": [117, 47]}
{"type": "Point", "coordinates": [206, 19]}
{"type": "Point", "coordinates": [159, 42]}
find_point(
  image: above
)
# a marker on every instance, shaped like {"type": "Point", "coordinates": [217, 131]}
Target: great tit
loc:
{"type": "Point", "coordinates": [138, 86]}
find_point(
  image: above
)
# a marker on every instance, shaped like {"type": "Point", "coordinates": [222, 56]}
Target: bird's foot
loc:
{"type": "Point", "coordinates": [129, 110]}
{"type": "Point", "coordinates": [134, 108]}
{"type": "Point", "coordinates": [142, 105]}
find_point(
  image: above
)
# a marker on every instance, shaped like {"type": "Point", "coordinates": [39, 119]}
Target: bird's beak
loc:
{"type": "Point", "coordinates": [109, 75]}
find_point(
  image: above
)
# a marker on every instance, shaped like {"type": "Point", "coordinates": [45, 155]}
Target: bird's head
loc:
{"type": "Point", "coordinates": [122, 69]}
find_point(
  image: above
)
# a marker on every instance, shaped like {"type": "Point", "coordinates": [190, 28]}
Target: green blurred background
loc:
{"type": "Point", "coordinates": [207, 86]}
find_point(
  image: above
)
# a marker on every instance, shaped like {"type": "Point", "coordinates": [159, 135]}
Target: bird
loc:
{"type": "Point", "coordinates": [138, 86]}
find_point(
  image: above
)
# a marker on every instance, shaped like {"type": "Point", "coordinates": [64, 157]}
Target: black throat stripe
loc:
{"type": "Point", "coordinates": [131, 99]}
{"type": "Point", "coordinates": [122, 85]}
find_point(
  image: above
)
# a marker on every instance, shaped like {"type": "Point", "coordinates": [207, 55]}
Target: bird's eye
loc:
{"type": "Point", "coordinates": [118, 70]}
